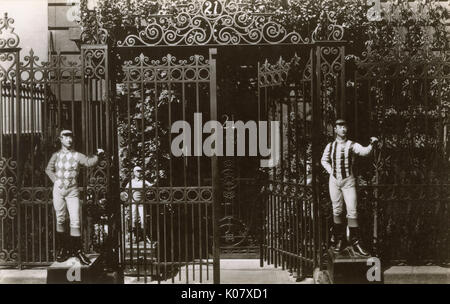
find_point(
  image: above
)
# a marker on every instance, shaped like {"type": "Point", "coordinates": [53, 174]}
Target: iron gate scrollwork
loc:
{"type": "Point", "coordinates": [239, 224]}
{"type": "Point", "coordinates": [213, 23]}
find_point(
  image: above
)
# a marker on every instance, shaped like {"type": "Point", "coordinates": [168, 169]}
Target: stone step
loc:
{"type": "Point", "coordinates": [417, 275]}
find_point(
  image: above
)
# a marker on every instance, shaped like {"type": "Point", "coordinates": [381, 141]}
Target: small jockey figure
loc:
{"type": "Point", "coordinates": [337, 159]}
{"type": "Point", "coordinates": [137, 214]}
{"type": "Point", "coordinates": [63, 169]}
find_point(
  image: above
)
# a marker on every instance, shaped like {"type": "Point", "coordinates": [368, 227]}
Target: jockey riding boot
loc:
{"type": "Point", "coordinates": [339, 237]}
{"type": "Point", "coordinates": [62, 244]}
{"type": "Point", "coordinates": [134, 234]}
{"type": "Point", "coordinates": [78, 251]}
{"type": "Point", "coordinates": [356, 243]}
{"type": "Point", "coordinates": [139, 233]}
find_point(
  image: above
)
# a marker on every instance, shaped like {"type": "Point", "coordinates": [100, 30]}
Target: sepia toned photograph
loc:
{"type": "Point", "coordinates": [243, 142]}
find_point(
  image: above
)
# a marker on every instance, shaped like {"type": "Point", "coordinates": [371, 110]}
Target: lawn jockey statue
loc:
{"type": "Point", "coordinates": [63, 170]}
{"type": "Point", "coordinates": [337, 159]}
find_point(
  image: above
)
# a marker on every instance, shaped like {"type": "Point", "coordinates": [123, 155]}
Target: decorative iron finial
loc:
{"type": "Point", "coordinates": [273, 74]}
{"type": "Point", "coordinates": [8, 39]}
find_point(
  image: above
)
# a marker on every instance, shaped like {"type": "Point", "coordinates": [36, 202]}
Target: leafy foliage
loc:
{"type": "Point", "coordinates": [143, 133]}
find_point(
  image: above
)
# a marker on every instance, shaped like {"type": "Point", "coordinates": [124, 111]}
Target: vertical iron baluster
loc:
{"type": "Point", "coordinates": [263, 232]}
{"type": "Point", "coordinates": [289, 180]}
{"type": "Point", "coordinates": [296, 189]}
{"type": "Point", "coordinates": [129, 201]}
{"type": "Point", "coordinates": [30, 130]}
{"type": "Point", "coordinates": [289, 214]}
{"type": "Point", "coordinates": [186, 232]}
{"type": "Point", "coordinates": [215, 169]}
{"type": "Point", "coordinates": [273, 190]}
{"type": "Point", "coordinates": [183, 110]}
{"type": "Point", "coordinates": [103, 110]}
{"type": "Point", "coordinates": [18, 146]}
{"type": "Point", "coordinates": [270, 222]}
{"type": "Point", "coordinates": [207, 239]}
{"type": "Point", "coordinates": [122, 236]}
{"type": "Point", "coordinates": [96, 105]}
{"type": "Point", "coordinates": [45, 132]}
{"type": "Point", "coordinates": [276, 227]}
{"type": "Point", "coordinates": [2, 131]}
{"type": "Point", "coordinates": [58, 87]}
{"type": "Point", "coordinates": [302, 229]}
{"type": "Point", "coordinates": [197, 107]}
{"type": "Point", "coordinates": [33, 231]}
{"type": "Point", "coordinates": [305, 135]}
{"type": "Point", "coordinates": [2, 154]}
{"type": "Point", "coordinates": [170, 203]}
{"type": "Point", "coordinates": [281, 196]}
{"type": "Point", "coordinates": [200, 234]}
{"type": "Point", "coordinates": [283, 225]}
{"type": "Point", "coordinates": [158, 232]}
{"type": "Point", "coordinates": [164, 237]}
{"type": "Point", "coordinates": [144, 187]}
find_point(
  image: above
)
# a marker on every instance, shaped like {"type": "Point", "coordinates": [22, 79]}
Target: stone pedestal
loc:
{"type": "Point", "coordinates": [347, 267]}
{"type": "Point", "coordinates": [72, 272]}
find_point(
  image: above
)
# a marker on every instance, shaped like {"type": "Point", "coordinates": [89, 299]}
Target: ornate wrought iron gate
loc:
{"type": "Point", "coordinates": [305, 94]}
{"type": "Point", "coordinates": [168, 221]}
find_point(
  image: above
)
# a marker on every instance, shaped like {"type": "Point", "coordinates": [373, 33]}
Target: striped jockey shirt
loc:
{"type": "Point", "coordinates": [339, 155]}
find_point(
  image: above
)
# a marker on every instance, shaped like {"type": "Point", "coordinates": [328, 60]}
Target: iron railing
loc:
{"type": "Point", "coordinates": [37, 99]}
{"type": "Point", "coordinates": [404, 187]}
{"type": "Point", "coordinates": [28, 220]}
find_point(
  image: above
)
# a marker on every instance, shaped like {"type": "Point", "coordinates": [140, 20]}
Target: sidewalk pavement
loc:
{"type": "Point", "coordinates": [417, 275]}
{"type": "Point", "coordinates": [232, 271]}
{"type": "Point", "coordinates": [247, 272]}
{"type": "Point", "coordinates": [36, 275]}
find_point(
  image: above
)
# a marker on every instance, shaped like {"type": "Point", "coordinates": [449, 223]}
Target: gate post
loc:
{"type": "Point", "coordinates": [18, 130]}
{"type": "Point", "coordinates": [215, 171]}
{"type": "Point", "coordinates": [335, 68]}
{"type": "Point", "coordinates": [95, 74]}
{"type": "Point", "coordinates": [316, 130]}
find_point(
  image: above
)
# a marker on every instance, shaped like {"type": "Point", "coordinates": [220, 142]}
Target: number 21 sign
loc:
{"type": "Point", "coordinates": [212, 7]}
